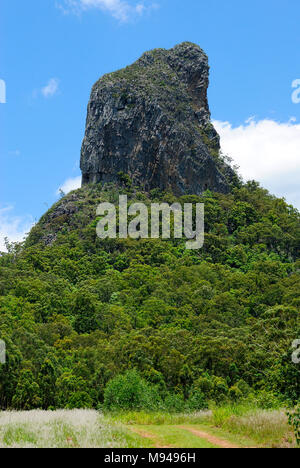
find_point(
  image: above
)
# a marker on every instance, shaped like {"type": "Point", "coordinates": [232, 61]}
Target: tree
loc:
{"type": "Point", "coordinates": [130, 392]}
{"type": "Point", "coordinates": [27, 394]}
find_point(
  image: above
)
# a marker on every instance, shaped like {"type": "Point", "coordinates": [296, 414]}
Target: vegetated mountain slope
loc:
{"type": "Point", "coordinates": [214, 324]}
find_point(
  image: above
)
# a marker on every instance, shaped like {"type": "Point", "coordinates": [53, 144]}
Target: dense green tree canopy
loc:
{"type": "Point", "coordinates": [77, 311]}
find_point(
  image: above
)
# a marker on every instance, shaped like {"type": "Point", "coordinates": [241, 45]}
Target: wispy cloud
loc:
{"type": "Point", "coordinates": [122, 10]}
{"type": "Point", "coordinates": [69, 185]}
{"type": "Point", "coordinates": [13, 227]}
{"type": "Point", "coordinates": [51, 88]}
{"type": "Point", "coordinates": [267, 151]}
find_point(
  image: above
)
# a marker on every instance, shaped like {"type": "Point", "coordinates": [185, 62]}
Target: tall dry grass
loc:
{"type": "Point", "coordinates": [61, 429]}
{"type": "Point", "coordinates": [267, 427]}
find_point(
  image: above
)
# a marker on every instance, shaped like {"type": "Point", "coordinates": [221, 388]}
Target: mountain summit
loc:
{"type": "Point", "coordinates": [151, 122]}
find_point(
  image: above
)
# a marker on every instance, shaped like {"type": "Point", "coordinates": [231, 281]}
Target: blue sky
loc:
{"type": "Point", "coordinates": [52, 51]}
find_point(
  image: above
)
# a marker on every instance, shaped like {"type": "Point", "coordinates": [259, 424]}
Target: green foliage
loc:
{"type": "Point", "coordinates": [174, 403]}
{"type": "Point", "coordinates": [27, 392]}
{"type": "Point", "coordinates": [197, 401]}
{"type": "Point", "coordinates": [125, 179]}
{"type": "Point", "coordinates": [80, 400]}
{"type": "Point", "coordinates": [294, 421]}
{"type": "Point", "coordinates": [130, 391]}
{"type": "Point", "coordinates": [198, 326]}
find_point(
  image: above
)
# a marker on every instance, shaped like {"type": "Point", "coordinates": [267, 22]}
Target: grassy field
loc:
{"type": "Point", "coordinates": [220, 428]}
{"type": "Point", "coordinates": [63, 429]}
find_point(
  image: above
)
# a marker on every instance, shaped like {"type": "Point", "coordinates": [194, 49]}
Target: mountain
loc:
{"type": "Point", "coordinates": [195, 326]}
{"type": "Point", "coordinates": [151, 122]}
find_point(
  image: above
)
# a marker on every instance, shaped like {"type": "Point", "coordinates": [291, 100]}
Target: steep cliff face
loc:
{"type": "Point", "coordinates": [151, 121]}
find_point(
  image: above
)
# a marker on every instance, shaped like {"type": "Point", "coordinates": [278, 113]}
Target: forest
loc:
{"type": "Point", "coordinates": [147, 324]}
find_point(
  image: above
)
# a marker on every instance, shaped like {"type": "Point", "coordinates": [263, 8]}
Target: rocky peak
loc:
{"type": "Point", "coordinates": [190, 64]}
{"type": "Point", "coordinates": [151, 121]}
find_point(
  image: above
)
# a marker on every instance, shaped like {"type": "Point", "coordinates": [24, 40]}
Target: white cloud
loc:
{"type": "Point", "coordinates": [122, 10]}
{"type": "Point", "coordinates": [51, 88]}
{"type": "Point", "coordinates": [69, 185]}
{"type": "Point", "coordinates": [13, 227]}
{"type": "Point", "coordinates": [267, 151]}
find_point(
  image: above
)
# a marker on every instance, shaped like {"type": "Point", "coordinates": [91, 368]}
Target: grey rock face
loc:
{"type": "Point", "coordinates": [151, 121]}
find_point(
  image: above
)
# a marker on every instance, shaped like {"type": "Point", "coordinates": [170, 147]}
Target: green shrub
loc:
{"type": "Point", "coordinates": [267, 400]}
{"type": "Point", "coordinates": [213, 388]}
{"type": "Point", "coordinates": [294, 422]}
{"type": "Point", "coordinates": [80, 400]}
{"type": "Point", "coordinates": [197, 401]}
{"type": "Point", "coordinates": [174, 403]}
{"type": "Point", "coordinates": [130, 392]}
{"type": "Point", "coordinates": [235, 394]}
